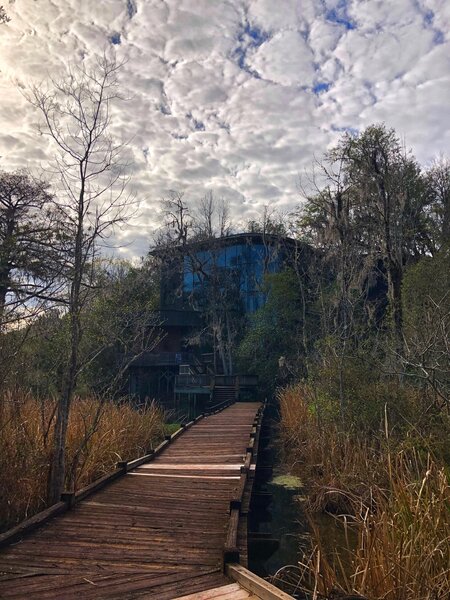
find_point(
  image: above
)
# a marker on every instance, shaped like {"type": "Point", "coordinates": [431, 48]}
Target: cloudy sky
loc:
{"type": "Point", "coordinates": [235, 96]}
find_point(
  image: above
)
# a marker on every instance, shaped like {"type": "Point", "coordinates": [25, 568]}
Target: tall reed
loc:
{"type": "Point", "coordinates": [99, 435]}
{"type": "Point", "coordinates": [391, 499]}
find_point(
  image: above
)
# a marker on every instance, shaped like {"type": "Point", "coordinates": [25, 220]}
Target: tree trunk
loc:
{"type": "Point", "coordinates": [446, 221]}
{"type": "Point", "coordinates": [229, 347]}
{"type": "Point", "coordinates": [58, 466]}
{"type": "Point", "coordinates": [5, 266]}
{"type": "Point", "coordinates": [4, 285]}
{"type": "Point", "coordinates": [395, 276]}
{"type": "Point", "coordinates": [221, 349]}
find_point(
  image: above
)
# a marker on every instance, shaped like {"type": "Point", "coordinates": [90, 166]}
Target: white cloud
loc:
{"type": "Point", "coordinates": [234, 96]}
{"type": "Point", "coordinates": [285, 59]}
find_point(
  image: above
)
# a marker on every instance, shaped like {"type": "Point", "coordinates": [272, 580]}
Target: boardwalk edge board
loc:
{"type": "Point", "coordinates": [69, 499]}
{"type": "Point", "coordinates": [14, 534]}
{"type": "Point", "coordinates": [231, 549]}
{"type": "Point", "coordinates": [255, 584]}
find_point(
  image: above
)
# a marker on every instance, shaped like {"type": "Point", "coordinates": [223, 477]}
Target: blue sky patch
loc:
{"type": "Point", "coordinates": [257, 36]}
{"type": "Point", "coordinates": [345, 129]}
{"type": "Point", "coordinates": [323, 86]}
{"type": "Point", "coordinates": [428, 17]}
{"type": "Point", "coordinates": [250, 36]}
{"type": "Point", "coordinates": [198, 125]}
{"type": "Point", "coordinates": [439, 37]}
{"type": "Point", "coordinates": [131, 8]}
{"type": "Point", "coordinates": [340, 15]}
{"type": "Point", "coordinates": [115, 39]}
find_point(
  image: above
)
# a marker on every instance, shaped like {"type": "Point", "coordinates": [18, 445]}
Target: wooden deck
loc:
{"type": "Point", "coordinates": [157, 532]}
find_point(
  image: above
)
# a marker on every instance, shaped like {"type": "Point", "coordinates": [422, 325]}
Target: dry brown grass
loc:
{"type": "Point", "coordinates": [99, 435]}
{"type": "Point", "coordinates": [396, 511]}
{"type": "Point", "coordinates": [335, 466]}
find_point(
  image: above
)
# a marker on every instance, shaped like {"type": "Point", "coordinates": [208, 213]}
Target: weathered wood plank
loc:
{"type": "Point", "coordinates": [221, 593]}
{"type": "Point", "coordinates": [259, 587]}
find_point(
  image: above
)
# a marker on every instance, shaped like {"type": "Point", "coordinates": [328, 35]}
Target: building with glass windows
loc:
{"type": "Point", "coordinates": [208, 287]}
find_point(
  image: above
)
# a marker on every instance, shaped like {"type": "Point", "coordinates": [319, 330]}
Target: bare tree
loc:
{"type": "Point", "coordinates": [177, 221]}
{"type": "Point", "coordinates": [328, 221]}
{"type": "Point", "coordinates": [389, 187]}
{"type": "Point", "coordinates": [211, 219]}
{"type": "Point", "coordinates": [189, 245]}
{"type": "Point", "coordinates": [427, 349]}
{"type": "Point", "coordinates": [120, 325]}
{"type": "Point", "coordinates": [76, 113]}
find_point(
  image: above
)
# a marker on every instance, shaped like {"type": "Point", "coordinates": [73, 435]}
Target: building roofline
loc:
{"type": "Point", "coordinates": [228, 240]}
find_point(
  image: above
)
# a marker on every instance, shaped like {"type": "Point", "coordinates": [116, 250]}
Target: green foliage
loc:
{"type": "Point", "coordinates": [119, 321]}
{"type": "Point", "coordinates": [386, 490]}
{"type": "Point", "coordinates": [426, 283]}
{"type": "Point", "coordinates": [170, 428]}
{"type": "Point", "coordinates": [368, 397]}
{"type": "Point", "coordinates": [39, 363]}
{"type": "Point", "coordinates": [118, 324]}
{"type": "Point", "coordinates": [437, 181]}
{"type": "Point", "coordinates": [426, 296]}
{"type": "Point", "coordinates": [275, 332]}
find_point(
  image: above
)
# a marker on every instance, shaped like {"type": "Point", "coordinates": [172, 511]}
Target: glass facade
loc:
{"type": "Point", "coordinates": [234, 269]}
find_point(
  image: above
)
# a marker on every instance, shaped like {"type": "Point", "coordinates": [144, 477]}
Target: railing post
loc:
{"type": "Point", "coordinates": [68, 498]}
{"type": "Point", "coordinates": [122, 465]}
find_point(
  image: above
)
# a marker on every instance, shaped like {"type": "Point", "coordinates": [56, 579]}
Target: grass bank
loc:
{"type": "Point", "coordinates": [99, 435]}
{"type": "Point", "coordinates": [389, 491]}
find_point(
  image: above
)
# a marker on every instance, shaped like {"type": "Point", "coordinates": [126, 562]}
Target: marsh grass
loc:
{"type": "Point", "coordinates": [391, 498]}
{"type": "Point", "coordinates": [99, 435]}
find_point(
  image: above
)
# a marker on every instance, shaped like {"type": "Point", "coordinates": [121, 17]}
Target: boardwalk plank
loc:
{"type": "Point", "coordinates": [226, 592]}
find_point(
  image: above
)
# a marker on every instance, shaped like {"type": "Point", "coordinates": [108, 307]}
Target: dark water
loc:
{"type": "Point", "coordinates": [281, 522]}
{"type": "Point", "coordinates": [284, 520]}
{"type": "Point", "coordinates": [286, 524]}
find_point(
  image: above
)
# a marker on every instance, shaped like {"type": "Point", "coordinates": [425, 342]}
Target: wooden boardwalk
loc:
{"type": "Point", "coordinates": [157, 532]}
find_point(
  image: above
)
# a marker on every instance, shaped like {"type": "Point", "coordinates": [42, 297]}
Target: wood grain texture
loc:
{"type": "Point", "coordinates": [157, 532]}
{"type": "Point", "coordinates": [259, 587]}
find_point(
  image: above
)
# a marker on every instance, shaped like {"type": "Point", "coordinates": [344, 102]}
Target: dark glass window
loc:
{"type": "Point", "coordinates": [241, 265]}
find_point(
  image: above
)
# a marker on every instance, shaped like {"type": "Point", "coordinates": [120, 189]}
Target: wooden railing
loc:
{"type": "Point", "coordinates": [206, 380]}
{"type": "Point", "coordinates": [163, 359]}
{"type": "Point", "coordinates": [212, 410]}
{"type": "Point", "coordinates": [191, 381]}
